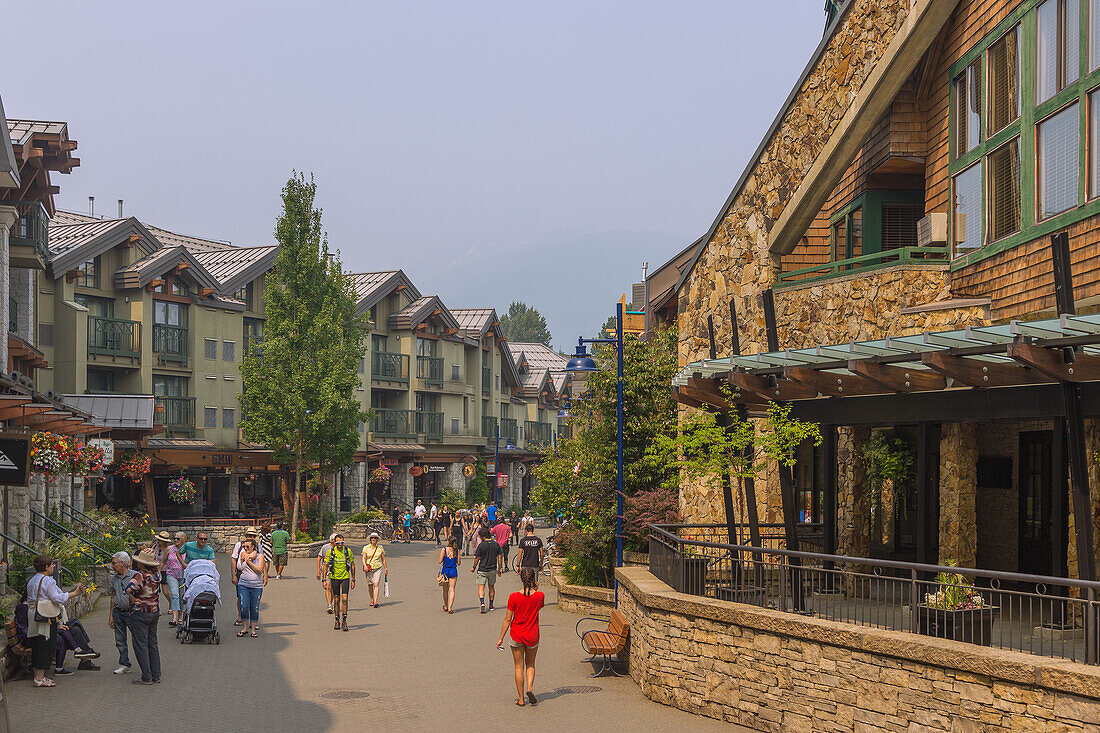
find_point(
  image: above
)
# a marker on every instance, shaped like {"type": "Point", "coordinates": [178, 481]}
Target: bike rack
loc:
{"type": "Point", "coordinates": [68, 531]}
{"type": "Point", "coordinates": [79, 516]}
{"type": "Point", "coordinates": [31, 550]}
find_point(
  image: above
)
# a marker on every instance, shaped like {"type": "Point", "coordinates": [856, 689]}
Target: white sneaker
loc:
{"type": "Point", "coordinates": [278, 577]}
{"type": "Point", "coordinates": [122, 669]}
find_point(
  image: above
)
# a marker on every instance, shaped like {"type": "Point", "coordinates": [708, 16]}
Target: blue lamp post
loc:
{"type": "Point", "coordinates": [582, 362]}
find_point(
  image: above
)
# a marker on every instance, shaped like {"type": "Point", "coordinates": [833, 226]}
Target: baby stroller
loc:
{"type": "Point", "coordinates": [200, 600]}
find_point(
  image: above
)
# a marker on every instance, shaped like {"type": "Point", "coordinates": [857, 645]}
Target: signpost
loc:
{"type": "Point", "coordinates": [108, 448]}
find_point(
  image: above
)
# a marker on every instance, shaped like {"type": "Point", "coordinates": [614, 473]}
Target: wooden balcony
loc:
{"type": "Point", "coordinates": [114, 337]}
{"type": "Point", "coordinates": [386, 366]}
{"type": "Point", "coordinates": [29, 236]}
{"type": "Point", "coordinates": [177, 414]}
{"type": "Point", "coordinates": [170, 343]}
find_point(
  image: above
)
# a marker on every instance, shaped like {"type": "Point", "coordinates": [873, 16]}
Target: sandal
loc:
{"type": "Point", "coordinates": [46, 682]}
{"type": "Point", "coordinates": [242, 632]}
{"type": "Point", "coordinates": [238, 622]}
{"type": "Point", "coordinates": [519, 703]}
{"type": "Point", "coordinates": [254, 635]}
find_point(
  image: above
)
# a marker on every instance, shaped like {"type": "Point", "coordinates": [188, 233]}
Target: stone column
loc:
{"type": "Point", "coordinates": [853, 512]}
{"type": "Point", "coordinates": [958, 494]}
{"type": "Point", "coordinates": [76, 500]}
{"type": "Point", "coordinates": [233, 494]}
{"type": "Point", "coordinates": [17, 522]}
{"type": "Point", "coordinates": [401, 485]}
{"type": "Point", "coordinates": [22, 290]}
{"type": "Point", "coordinates": [8, 215]}
{"type": "Point", "coordinates": [453, 478]}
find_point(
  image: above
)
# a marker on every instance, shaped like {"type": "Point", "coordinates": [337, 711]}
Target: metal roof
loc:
{"type": "Point", "coordinates": [195, 244]}
{"type": "Point", "coordinates": [419, 311]}
{"type": "Point", "coordinates": [235, 267]}
{"type": "Point", "coordinates": [9, 169]}
{"type": "Point", "coordinates": [180, 443]}
{"type": "Point", "coordinates": [21, 131]}
{"type": "Point", "coordinates": [371, 287]}
{"type": "Point", "coordinates": [133, 412]}
{"type": "Point", "coordinates": [402, 447]}
{"type": "Point", "coordinates": [984, 343]}
{"type": "Point", "coordinates": [141, 273]}
{"type": "Point", "coordinates": [476, 322]}
{"type": "Point", "coordinates": [70, 245]}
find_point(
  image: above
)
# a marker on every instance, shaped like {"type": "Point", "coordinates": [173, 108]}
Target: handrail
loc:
{"type": "Point", "coordinates": [874, 260]}
{"type": "Point", "coordinates": [32, 551]}
{"type": "Point", "coordinates": [662, 534]}
{"type": "Point", "coordinates": [86, 520]}
{"type": "Point", "coordinates": [65, 529]}
{"type": "Point", "coordinates": [55, 535]}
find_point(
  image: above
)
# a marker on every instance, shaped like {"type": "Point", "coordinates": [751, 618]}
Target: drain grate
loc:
{"type": "Point", "coordinates": [345, 694]}
{"type": "Point", "coordinates": [580, 690]}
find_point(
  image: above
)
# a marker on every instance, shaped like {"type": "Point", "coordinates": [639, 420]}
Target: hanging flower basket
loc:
{"type": "Point", "coordinates": [182, 490]}
{"type": "Point", "coordinates": [133, 465]}
{"type": "Point", "coordinates": [381, 475]}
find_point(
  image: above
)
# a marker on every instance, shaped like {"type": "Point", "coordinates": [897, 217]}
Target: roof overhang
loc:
{"type": "Point", "coordinates": [100, 243]}
{"type": "Point", "coordinates": [9, 169]}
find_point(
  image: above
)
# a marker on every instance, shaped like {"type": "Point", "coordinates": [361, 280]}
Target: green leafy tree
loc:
{"type": "Point", "coordinates": [524, 324]}
{"type": "Point", "coordinates": [478, 490]}
{"type": "Point", "coordinates": [299, 390]}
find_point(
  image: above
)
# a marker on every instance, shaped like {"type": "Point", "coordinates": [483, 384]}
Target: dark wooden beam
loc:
{"type": "Point", "coordinates": [834, 385]}
{"type": "Point", "coordinates": [1052, 363]}
{"type": "Point", "coordinates": [783, 391]}
{"type": "Point", "coordinates": [897, 379]}
{"type": "Point", "coordinates": [683, 399]}
{"type": "Point", "coordinates": [715, 399]}
{"type": "Point", "coordinates": [978, 373]}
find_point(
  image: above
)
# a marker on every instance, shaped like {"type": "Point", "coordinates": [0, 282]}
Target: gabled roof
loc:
{"type": "Point", "coordinates": [372, 287]}
{"type": "Point", "coordinates": [536, 362]}
{"type": "Point", "coordinates": [195, 244]}
{"type": "Point", "coordinates": [235, 267]}
{"type": "Point", "coordinates": [39, 147]}
{"type": "Point", "coordinates": [71, 245]}
{"type": "Point", "coordinates": [476, 322]}
{"type": "Point", "coordinates": [419, 311]}
{"type": "Point", "coordinates": [662, 281]}
{"type": "Point", "coordinates": [560, 380]}
{"type": "Point", "coordinates": [141, 273]}
{"type": "Point", "coordinates": [9, 169]}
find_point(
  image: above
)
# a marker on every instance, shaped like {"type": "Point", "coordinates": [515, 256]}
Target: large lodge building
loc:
{"type": "Point", "coordinates": [124, 330]}
{"type": "Point", "coordinates": [886, 264]}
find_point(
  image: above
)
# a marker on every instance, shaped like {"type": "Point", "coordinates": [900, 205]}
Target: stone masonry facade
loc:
{"type": "Point", "coordinates": [780, 672]}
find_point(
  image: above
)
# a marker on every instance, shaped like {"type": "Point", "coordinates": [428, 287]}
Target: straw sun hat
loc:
{"type": "Point", "coordinates": [145, 557]}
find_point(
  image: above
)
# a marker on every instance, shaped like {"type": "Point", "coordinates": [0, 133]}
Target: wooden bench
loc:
{"type": "Point", "coordinates": [607, 643]}
{"type": "Point", "coordinates": [16, 648]}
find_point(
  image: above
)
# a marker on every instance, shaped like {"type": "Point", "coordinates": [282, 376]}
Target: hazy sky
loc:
{"type": "Point", "coordinates": [488, 149]}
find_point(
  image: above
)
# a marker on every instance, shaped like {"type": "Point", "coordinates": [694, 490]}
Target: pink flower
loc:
{"type": "Point", "coordinates": [577, 468]}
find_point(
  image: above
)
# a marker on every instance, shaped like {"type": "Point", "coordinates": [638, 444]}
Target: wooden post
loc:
{"type": "Point", "coordinates": [150, 498]}
{"type": "Point", "coordinates": [743, 414]}
{"type": "Point", "coordinates": [924, 495]}
{"type": "Point", "coordinates": [727, 480]}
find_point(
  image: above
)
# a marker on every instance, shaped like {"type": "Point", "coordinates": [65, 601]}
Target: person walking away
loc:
{"type": "Point", "coordinates": [491, 513]}
{"type": "Point", "coordinates": [448, 567]}
{"type": "Point", "coordinates": [173, 573]}
{"type": "Point", "coordinates": [433, 517]}
{"type": "Point", "coordinates": [42, 624]}
{"type": "Point", "coordinates": [265, 545]}
{"type": "Point", "coordinates": [340, 572]}
{"type": "Point", "coordinates": [531, 552]}
{"type": "Point", "coordinates": [456, 528]}
{"type": "Point", "coordinates": [251, 568]}
{"type": "Point", "coordinates": [250, 533]}
{"type": "Point", "coordinates": [119, 618]}
{"type": "Point", "coordinates": [487, 565]}
{"type": "Point", "coordinates": [502, 533]}
{"type": "Point", "coordinates": [374, 566]}
{"type": "Point", "coordinates": [197, 550]}
{"type": "Point", "coordinates": [521, 623]}
{"type": "Point", "coordinates": [396, 521]}
{"type": "Point", "coordinates": [280, 538]}
{"type": "Point", "coordinates": [322, 558]}
{"type": "Point", "coordinates": [144, 592]}
{"type": "Point", "coordinates": [513, 522]}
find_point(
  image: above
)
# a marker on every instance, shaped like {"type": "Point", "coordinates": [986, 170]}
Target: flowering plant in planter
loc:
{"type": "Point", "coordinates": [133, 465]}
{"type": "Point", "coordinates": [49, 453]}
{"type": "Point", "coordinates": [182, 490]}
{"type": "Point", "coordinates": [956, 593]}
{"type": "Point", "coordinates": [87, 458]}
{"type": "Point", "coordinates": [381, 475]}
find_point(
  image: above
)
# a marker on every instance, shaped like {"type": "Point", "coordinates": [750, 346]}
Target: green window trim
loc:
{"type": "Point", "coordinates": [1026, 127]}
{"type": "Point", "coordinates": [871, 203]}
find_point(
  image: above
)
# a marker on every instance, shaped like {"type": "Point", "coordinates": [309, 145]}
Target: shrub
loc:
{"type": "Point", "coordinates": [660, 506]}
{"type": "Point", "coordinates": [589, 556]}
{"type": "Point", "coordinates": [363, 516]}
{"type": "Point", "coordinates": [452, 499]}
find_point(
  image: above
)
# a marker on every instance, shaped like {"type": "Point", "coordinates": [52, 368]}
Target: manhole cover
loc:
{"type": "Point", "coordinates": [580, 690]}
{"type": "Point", "coordinates": [345, 694]}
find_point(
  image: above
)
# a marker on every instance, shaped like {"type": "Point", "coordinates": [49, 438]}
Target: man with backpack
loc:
{"type": "Point", "coordinates": [340, 575]}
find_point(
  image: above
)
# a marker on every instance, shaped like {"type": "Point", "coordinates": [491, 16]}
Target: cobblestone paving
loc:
{"type": "Point", "coordinates": [406, 666]}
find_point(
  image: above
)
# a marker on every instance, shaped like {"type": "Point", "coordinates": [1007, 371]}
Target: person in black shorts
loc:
{"type": "Point", "coordinates": [396, 518]}
{"type": "Point", "coordinates": [530, 548]}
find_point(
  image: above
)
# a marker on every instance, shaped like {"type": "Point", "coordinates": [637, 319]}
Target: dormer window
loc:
{"type": "Point", "coordinates": [89, 274]}
{"type": "Point", "coordinates": [245, 295]}
{"type": "Point", "coordinates": [179, 287]}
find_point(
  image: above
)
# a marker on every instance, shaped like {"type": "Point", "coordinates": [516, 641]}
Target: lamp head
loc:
{"type": "Point", "coordinates": [581, 361]}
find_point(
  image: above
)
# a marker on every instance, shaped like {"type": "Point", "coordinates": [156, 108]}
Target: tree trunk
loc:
{"type": "Point", "coordinates": [297, 494]}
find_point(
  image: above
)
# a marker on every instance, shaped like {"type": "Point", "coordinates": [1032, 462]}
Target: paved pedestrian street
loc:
{"type": "Point", "coordinates": [406, 666]}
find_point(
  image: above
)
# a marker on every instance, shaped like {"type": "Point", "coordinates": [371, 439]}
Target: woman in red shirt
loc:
{"type": "Point", "coordinates": [523, 621]}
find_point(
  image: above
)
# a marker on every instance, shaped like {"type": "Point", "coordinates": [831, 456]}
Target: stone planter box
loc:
{"type": "Point", "coordinates": [753, 596]}
{"type": "Point", "coordinates": [689, 575]}
{"type": "Point", "coordinates": [972, 625]}
{"type": "Point", "coordinates": [304, 549]}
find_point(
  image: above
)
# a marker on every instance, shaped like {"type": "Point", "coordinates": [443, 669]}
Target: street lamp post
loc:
{"type": "Point", "coordinates": [582, 362]}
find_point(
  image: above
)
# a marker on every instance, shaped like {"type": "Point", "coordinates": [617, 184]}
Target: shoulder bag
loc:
{"type": "Point", "coordinates": [45, 610]}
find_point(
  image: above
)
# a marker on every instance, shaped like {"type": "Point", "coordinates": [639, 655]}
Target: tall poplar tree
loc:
{"type": "Point", "coordinates": [299, 386]}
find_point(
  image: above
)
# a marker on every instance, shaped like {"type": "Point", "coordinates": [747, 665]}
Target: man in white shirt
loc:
{"type": "Point", "coordinates": [420, 509]}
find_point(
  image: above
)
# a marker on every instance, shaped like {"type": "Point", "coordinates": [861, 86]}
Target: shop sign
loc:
{"type": "Point", "coordinates": [502, 481]}
{"type": "Point", "coordinates": [389, 461]}
{"type": "Point", "coordinates": [108, 448]}
{"type": "Point", "coordinates": [436, 469]}
{"type": "Point", "coordinates": [221, 459]}
{"type": "Point", "coordinates": [468, 470]}
{"type": "Point", "coordinates": [521, 470]}
{"type": "Point", "coordinates": [14, 454]}
{"type": "Point", "coordinates": [490, 468]}
{"type": "Point", "coordinates": [415, 470]}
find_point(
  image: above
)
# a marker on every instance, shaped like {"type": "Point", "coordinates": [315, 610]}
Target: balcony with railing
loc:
{"type": "Point", "coordinates": [29, 235]}
{"type": "Point", "coordinates": [864, 264]}
{"type": "Point", "coordinates": [114, 337]}
{"type": "Point", "coordinates": [170, 343]}
{"type": "Point", "coordinates": [177, 414]}
{"type": "Point", "coordinates": [429, 370]}
{"type": "Point", "coordinates": [509, 429]}
{"type": "Point", "coordinates": [488, 426]}
{"type": "Point", "coordinates": [389, 367]}
{"type": "Point", "coordinates": [430, 425]}
{"type": "Point", "coordinates": [392, 424]}
{"type": "Point", "coordinates": [537, 434]}
{"type": "Point", "coordinates": [486, 381]}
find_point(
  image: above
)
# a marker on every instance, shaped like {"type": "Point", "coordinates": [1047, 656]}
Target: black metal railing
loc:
{"type": "Point", "coordinates": [392, 423]}
{"type": "Point", "coordinates": [177, 415]}
{"type": "Point", "coordinates": [1053, 617]}
{"type": "Point", "coordinates": [429, 424]}
{"type": "Point", "coordinates": [31, 229]}
{"type": "Point", "coordinates": [390, 367]}
{"type": "Point", "coordinates": [429, 369]}
{"type": "Point", "coordinates": [114, 337]}
{"type": "Point", "coordinates": [103, 555]}
{"type": "Point", "coordinates": [488, 426]}
{"type": "Point", "coordinates": [170, 342]}
{"type": "Point", "coordinates": [509, 429]}
{"type": "Point", "coordinates": [537, 434]}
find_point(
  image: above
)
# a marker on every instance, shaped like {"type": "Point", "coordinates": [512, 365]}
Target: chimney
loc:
{"type": "Point", "coordinates": [91, 206]}
{"type": "Point", "coordinates": [120, 208]}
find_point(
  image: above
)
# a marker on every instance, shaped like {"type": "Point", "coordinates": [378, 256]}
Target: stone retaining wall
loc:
{"type": "Point", "coordinates": [777, 671]}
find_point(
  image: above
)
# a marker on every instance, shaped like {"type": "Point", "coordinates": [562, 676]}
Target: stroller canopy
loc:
{"type": "Point", "coordinates": [200, 576]}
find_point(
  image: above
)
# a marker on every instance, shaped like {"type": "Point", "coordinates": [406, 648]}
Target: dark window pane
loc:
{"type": "Point", "coordinates": [1004, 81]}
{"type": "Point", "coordinates": [1004, 190]}
{"type": "Point", "coordinates": [967, 210]}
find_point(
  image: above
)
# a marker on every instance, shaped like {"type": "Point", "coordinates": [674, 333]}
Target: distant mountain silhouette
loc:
{"type": "Point", "coordinates": [572, 278]}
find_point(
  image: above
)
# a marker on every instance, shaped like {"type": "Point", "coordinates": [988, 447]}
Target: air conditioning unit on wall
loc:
{"type": "Point", "coordinates": [932, 230]}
